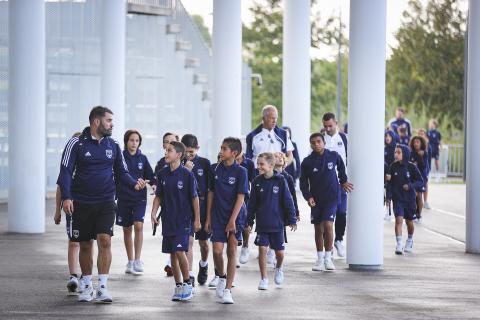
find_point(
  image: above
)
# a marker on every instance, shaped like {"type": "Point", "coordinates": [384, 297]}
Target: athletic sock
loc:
{"type": "Point", "coordinates": [73, 275]}
{"type": "Point", "coordinates": [328, 254]}
{"type": "Point", "coordinates": [224, 276]}
{"type": "Point", "coordinates": [102, 279]}
{"type": "Point", "coordinates": [410, 237]}
{"type": "Point", "coordinates": [399, 239]}
{"type": "Point", "coordinates": [87, 279]}
{"type": "Point", "coordinates": [190, 273]}
{"type": "Point", "coordinates": [178, 284]}
{"type": "Point", "coordinates": [203, 264]}
{"type": "Point", "coordinates": [187, 281]}
{"type": "Point", "coordinates": [320, 255]}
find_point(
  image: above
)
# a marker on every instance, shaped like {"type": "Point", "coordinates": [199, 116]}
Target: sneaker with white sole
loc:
{"type": "Point", "coordinates": [340, 248]}
{"type": "Point", "coordinates": [222, 283]}
{"type": "Point", "coordinates": [129, 268]}
{"type": "Point", "coordinates": [87, 293]}
{"type": "Point", "coordinates": [408, 246]}
{"type": "Point", "coordinates": [319, 265]}
{"type": "Point", "coordinates": [102, 295]}
{"type": "Point", "coordinates": [399, 249]}
{"type": "Point", "coordinates": [388, 217]}
{"type": "Point", "coordinates": [426, 205]}
{"type": "Point", "coordinates": [72, 286]}
{"type": "Point", "coordinates": [271, 257]}
{"type": "Point", "coordinates": [244, 255]}
{"type": "Point", "coordinates": [227, 297]}
{"type": "Point", "coordinates": [213, 283]}
{"type": "Point", "coordinates": [177, 293]}
{"type": "Point", "coordinates": [81, 285]}
{"type": "Point", "coordinates": [263, 284]}
{"type": "Point", "coordinates": [138, 266]}
{"type": "Point", "coordinates": [202, 274]}
{"type": "Point", "coordinates": [187, 292]}
{"type": "Point", "coordinates": [418, 220]}
{"type": "Point", "coordinates": [278, 276]}
{"type": "Point", "coordinates": [329, 266]}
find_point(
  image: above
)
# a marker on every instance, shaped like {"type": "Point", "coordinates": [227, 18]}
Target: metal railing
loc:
{"type": "Point", "coordinates": [456, 164]}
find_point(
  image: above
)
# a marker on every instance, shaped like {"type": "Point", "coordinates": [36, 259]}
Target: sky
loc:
{"type": "Point", "coordinates": [326, 8]}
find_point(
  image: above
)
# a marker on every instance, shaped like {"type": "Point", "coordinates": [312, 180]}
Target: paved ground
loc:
{"type": "Point", "coordinates": [437, 281]}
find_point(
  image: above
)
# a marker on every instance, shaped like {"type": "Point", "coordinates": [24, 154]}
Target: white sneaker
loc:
{"type": "Point", "coordinates": [278, 276]}
{"type": "Point", "coordinates": [81, 285]}
{"type": "Point", "coordinates": [388, 217]}
{"type": "Point", "coordinates": [319, 265]}
{"type": "Point", "coordinates": [263, 284]}
{"type": "Point", "coordinates": [399, 249]}
{"type": "Point", "coordinates": [129, 268]}
{"type": "Point", "coordinates": [213, 283]}
{"type": "Point", "coordinates": [177, 293]}
{"type": "Point", "coordinates": [72, 286]}
{"type": "Point", "coordinates": [138, 266]}
{"type": "Point", "coordinates": [187, 292]}
{"type": "Point", "coordinates": [227, 297]}
{"type": "Point", "coordinates": [340, 248]}
{"type": "Point", "coordinates": [271, 257]}
{"type": "Point", "coordinates": [222, 283]}
{"type": "Point", "coordinates": [426, 205]}
{"type": "Point", "coordinates": [87, 293]}
{"type": "Point", "coordinates": [329, 266]}
{"type": "Point", "coordinates": [244, 255]}
{"type": "Point", "coordinates": [418, 220]}
{"type": "Point", "coordinates": [102, 295]}
{"type": "Point", "coordinates": [408, 246]}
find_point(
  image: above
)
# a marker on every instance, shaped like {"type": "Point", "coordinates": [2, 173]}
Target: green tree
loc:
{"type": "Point", "coordinates": [198, 20]}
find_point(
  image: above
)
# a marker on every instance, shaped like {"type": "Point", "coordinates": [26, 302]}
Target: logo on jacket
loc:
{"type": "Point", "coordinates": [200, 172]}
{"type": "Point", "coordinates": [408, 174]}
{"type": "Point", "coordinates": [76, 233]}
{"type": "Point", "coordinates": [231, 180]}
{"type": "Point", "coordinates": [109, 153]}
{"type": "Point", "coordinates": [140, 166]}
{"type": "Point", "coordinates": [88, 154]}
{"type": "Point", "coordinates": [315, 170]}
{"type": "Point", "coordinates": [330, 165]}
{"type": "Point", "coordinates": [180, 184]}
{"type": "Point", "coordinates": [120, 219]}
{"type": "Point", "coordinates": [276, 189]}
{"type": "Point", "coordinates": [340, 143]}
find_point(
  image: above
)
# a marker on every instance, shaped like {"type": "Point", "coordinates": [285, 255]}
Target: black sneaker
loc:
{"type": "Point", "coordinates": [192, 281]}
{"type": "Point", "coordinates": [202, 274]}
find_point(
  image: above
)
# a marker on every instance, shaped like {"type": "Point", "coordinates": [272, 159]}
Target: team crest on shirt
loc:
{"type": "Point", "coordinates": [200, 172]}
{"type": "Point", "coordinates": [120, 219]}
{"type": "Point", "coordinates": [109, 153]}
{"type": "Point", "coordinates": [340, 143]}
{"type": "Point", "coordinates": [408, 174]}
{"type": "Point", "coordinates": [140, 166]}
{"type": "Point", "coordinates": [180, 185]}
{"type": "Point", "coordinates": [276, 189]}
{"type": "Point", "coordinates": [232, 180]}
{"type": "Point", "coordinates": [330, 165]}
{"type": "Point", "coordinates": [163, 182]}
{"type": "Point", "coordinates": [315, 170]}
{"type": "Point", "coordinates": [76, 233]}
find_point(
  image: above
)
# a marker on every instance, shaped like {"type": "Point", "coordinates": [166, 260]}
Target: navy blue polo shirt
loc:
{"type": "Point", "coordinates": [138, 167]}
{"type": "Point", "coordinates": [201, 170]}
{"type": "Point", "coordinates": [176, 190]}
{"type": "Point", "coordinates": [227, 183]}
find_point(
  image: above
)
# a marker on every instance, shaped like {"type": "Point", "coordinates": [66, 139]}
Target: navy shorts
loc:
{"type": "Point", "coordinates": [172, 244]}
{"type": "Point", "coordinates": [318, 215]}
{"type": "Point", "coordinates": [405, 211]}
{"type": "Point", "coordinates": [435, 155]}
{"type": "Point", "coordinates": [89, 220]}
{"type": "Point", "coordinates": [128, 213]}
{"type": "Point", "coordinates": [275, 240]}
{"type": "Point", "coordinates": [221, 236]}
{"type": "Point", "coordinates": [342, 205]}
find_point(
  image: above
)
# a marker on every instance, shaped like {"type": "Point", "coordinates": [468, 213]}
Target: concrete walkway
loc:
{"type": "Point", "coordinates": [437, 281]}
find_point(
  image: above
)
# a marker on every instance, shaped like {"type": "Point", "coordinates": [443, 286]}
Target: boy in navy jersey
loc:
{"type": "Point", "coordinates": [228, 185]}
{"type": "Point", "coordinates": [270, 204]}
{"type": "Point", "coordinates": [320, 187]}
{"type": "Point", "coordinates": [403, 179]}
{"type": "Point", "coordinates": [280, 163]}
{"type": "Point", "coordinates": [177, 196]}
{"type": "Point", "coordinates": [435, 139]}
{"type": "Point", "coordinates": [131, 204]}
{"type": "Point", "coordinates": [252, 173]}
{"type": "Point", "coordinates": [200, 168]}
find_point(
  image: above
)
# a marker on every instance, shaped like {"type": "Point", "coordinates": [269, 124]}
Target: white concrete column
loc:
{"type": "Point", "coordinates": [26, 116]}
{"type": "Point", "coordinates": [473, 117]}
{"type": "Point", "coordinates": [366, 117]}
{"type": "Point", "coordinates": [227, 71]}
{"type": "Point", "coordinates": [113, 62]}
{"type": "Point", "coordinates": [296, 71]}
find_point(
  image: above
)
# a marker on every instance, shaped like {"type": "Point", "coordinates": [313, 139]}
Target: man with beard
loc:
{"type": "Point", "coordinates": [91, 164]}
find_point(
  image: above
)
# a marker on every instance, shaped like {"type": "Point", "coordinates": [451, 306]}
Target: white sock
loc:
{"type": "Point", "coordinates": [328, 254]}
{"type": "Point", "coordinates": [190, 273]}
{"type": "Point", "coordinates": [102, 279]}
{"type": "Point", "coordinates": [320, 255]}
{"type": "Point", "coordinates": [410, 237]}
{"type": "Point", "coordinates": [87, 280]}
{"type": "Point", "coordinates": [130, 262]}
{"type": "Point", "coordinates": [203, 264]}
{"type": "Point", "coordinates": [399, 239]}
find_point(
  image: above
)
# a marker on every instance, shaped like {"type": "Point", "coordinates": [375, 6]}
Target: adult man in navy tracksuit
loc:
{"type": "Point", "coordinates": [400, 122]}
{"type": "Point", "coordinates": [90, 165]}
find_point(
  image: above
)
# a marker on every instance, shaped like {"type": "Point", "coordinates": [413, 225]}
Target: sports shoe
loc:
{"type": "Point", "coordinates": [81, 285]}
{"type": "Point", "coordinates": [222, 282]}
{"type": "Point", "coordinates": [214, 282]}
{"type": "Point", "coordinates": [244, 255]}
{"type": "Point", "coordinates": [388, 217]}
{"type": "Point", "coordinates": [426, 205]}
{"type": "Point", "coordinates": [202, 274]}
{"type": "Point", "coordinates": [399, 249]}
{"type": "Point", "coordinates": [168, 270]}
{"type": "Point", "coordinates": [192, 281]}
{"type": "Point", "coordinates": [408, 246]}
{"type": "Point", "coordinates": [319, 265]}
{"type": "Point", "coordinates": [72, 286]}
{"type": "Point", "coordinates": [340, 248]}
{"type": "Point", "coordinates": [271, 257]}
{"type": "Point", "coordinates": [263, 284]}
{"type": "Point", "coordinates": [129, 268]}
{"type": "Point", "coordinates": [187, 292]}
{"type": "Point", "coordinates": [87, 293]}
{"type": "Point", "coordinates": [102, 295]}
{"type": "Point", "coordinates": [177, 293]}
{"type": "Point", "coordinates": [329, 266]}
{"type": "Point", "coordinates": [138, 266]}
{"type": "Point", "coordinates": [418, 220]}
{"type": "Point", "coordinates": [227, 297]}
{"type": "Point", "coordinates": [278, 276]}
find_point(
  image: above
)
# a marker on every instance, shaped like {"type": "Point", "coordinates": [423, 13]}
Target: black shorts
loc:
{"type": "Point", "coordinates": [89, 220]}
